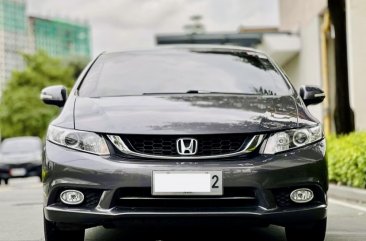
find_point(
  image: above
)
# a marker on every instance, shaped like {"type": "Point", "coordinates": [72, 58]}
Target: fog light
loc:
{"type": "Point", "coordinates": [72, 197]}
{"type": "Point", "coordinates": [302, 195]}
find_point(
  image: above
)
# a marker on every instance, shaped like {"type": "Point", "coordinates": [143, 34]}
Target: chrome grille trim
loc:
{"type": "Point", "coordinates": [117, 141]}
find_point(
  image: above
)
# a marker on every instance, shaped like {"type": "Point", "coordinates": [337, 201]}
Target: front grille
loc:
{"type": "Point", "coordinates": [142, 198]}
{"type": "Point", "coordinates": [166, 145]}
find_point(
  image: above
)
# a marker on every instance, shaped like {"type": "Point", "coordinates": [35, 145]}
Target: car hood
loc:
{"type": "Point", "coordinates": [185, 114]}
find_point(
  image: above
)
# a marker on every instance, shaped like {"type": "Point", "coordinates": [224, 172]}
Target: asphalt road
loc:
{"type": "Point", "coordinates": [21, 220]}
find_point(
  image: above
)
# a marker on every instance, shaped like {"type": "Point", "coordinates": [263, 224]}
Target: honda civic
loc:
{"type": "Point", "coordinates": [195, 134]}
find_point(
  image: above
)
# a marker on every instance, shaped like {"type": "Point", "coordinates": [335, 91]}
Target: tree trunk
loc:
{"type": "Point", "coordinates": [343, 114]}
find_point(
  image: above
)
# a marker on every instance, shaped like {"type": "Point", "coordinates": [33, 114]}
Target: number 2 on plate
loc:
{"type": "Point", "coordinates": [216, 180]}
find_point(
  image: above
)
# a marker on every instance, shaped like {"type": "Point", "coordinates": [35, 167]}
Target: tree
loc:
{"type": "Point", "coordinates": [77, 64]}
{"type": "Point", "coordinates": [21, 110]}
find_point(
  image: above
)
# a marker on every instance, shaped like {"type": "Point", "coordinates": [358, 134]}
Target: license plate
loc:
{"type": "Point", "coordinates": [17, 172]}
{"type": "Point", "coordinates": [187, 183]}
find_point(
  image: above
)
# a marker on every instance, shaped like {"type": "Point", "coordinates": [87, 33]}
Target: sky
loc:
{"type": "Point", "coordinates": [133, 24]}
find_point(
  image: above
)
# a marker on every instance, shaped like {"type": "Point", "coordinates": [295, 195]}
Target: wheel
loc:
{"type": "Point", "coordinates": [313, 232]}
{"type": "Point", "coordinates": [52, 233]}
{"type": "Point", "coordinates": [6, 181]}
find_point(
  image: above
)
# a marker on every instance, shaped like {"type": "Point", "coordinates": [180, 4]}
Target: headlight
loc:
{"type": "Point", "coordinates": [286, 140]}
{"type": "Point", "coordinates": [78, 140]}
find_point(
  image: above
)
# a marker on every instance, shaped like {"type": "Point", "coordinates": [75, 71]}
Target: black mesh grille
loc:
{"type": "Point", "coordinates": [283, 198]}
{"type": "Point", "coordinates": [166, 145]}
{"type": "Point", "coordinates": [234, 197]}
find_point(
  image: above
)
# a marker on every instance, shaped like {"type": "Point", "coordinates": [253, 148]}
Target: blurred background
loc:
{"type": "Point", "coordinates": [316, 42]}
{"type": "Point", "coordinates": [307, 39]}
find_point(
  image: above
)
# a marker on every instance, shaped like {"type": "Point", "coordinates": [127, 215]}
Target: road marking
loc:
{"type": "Point", "coordinates": [348, 205]}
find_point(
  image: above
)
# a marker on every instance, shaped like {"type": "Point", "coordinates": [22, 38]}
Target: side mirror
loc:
{"type": "Point", "coordinates": [54, 95]}
{"type": "Point", "coordinates": [311, 95]}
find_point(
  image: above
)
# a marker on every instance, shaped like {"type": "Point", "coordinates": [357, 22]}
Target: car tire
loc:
{"type": "Point", "coordinates": [314, 232]}
{"type": "Point", "coordinates": [53, 233]}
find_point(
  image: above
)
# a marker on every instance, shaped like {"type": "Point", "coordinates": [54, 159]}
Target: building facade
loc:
{"type": "Point", "coordinates": [295, 14]}
{"type": "Point", "coordinates": [315, 61]}
{"type": "Point", "coordinates": [22, 34]}
{"type": "Point", "coordinates": [356, 39]}
{"type": "Point", "coordinates": [13, 37]}
{"type": "Point", "coordinates": [304, 19]}
{"type": "Point", "coordinates": [61, 38]}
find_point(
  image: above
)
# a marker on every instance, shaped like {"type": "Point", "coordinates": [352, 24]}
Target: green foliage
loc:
{"type": "Point", "coordinates": [21, 110]}
{"type": "Point", "coordinates": [77, 64]}
{"type": "Point", "coordinates": [346, 156]}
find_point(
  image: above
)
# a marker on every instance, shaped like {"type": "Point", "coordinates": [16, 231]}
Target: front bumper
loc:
{"type": "Point", "coordinates": [66, 168]}
{"type": "Point", "coordinates": [113, 217]}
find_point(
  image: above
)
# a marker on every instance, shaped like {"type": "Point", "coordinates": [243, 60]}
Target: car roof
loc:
{"type": "Point", "coordinates": [206, 47]}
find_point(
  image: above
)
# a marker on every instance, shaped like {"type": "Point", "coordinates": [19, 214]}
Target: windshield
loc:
{"type": "Point", "coordinates": [183, 71]}
{"type": "Point", "coordinates": [21, 146]}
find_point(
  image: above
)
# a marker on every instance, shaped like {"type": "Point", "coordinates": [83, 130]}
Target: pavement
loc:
{"type": "Point", "coordinates": [21, 219]}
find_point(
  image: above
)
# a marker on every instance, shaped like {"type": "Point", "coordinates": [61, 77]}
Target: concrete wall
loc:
{"type": "Point", "coordinates": [297, 13]}
{"type": "Point", "coordinates": [304, 16]}
{"type": "Point", "coordinates": [305, 68]}
{"type": "Point", "coordinates": [356, 37]}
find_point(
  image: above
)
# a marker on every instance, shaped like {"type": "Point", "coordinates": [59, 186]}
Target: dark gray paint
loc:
{"type": "Point", "coordinates": [186, 114]}
{"type": "Point", "coordinates": [183, 114]}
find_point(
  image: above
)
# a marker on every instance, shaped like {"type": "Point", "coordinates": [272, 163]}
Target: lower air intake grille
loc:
{"type": "Point", "coordinates": [142, 198]}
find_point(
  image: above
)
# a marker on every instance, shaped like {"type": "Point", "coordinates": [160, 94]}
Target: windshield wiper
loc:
{"type": "Point", "coordinates": [163, 93]}
{"type": "Point", "coordinates": [198, 92]}
{"type": "Point", "coordinates": [172, 93]}
{"type": "Point", "coordinates": [230, 93]}
{"type": "Point", "coordinates": [217, 92]}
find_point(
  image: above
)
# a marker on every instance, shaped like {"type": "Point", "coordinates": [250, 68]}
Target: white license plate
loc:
{"type": "Point", "coordinates": [18, 172]}
{"type": "Point", "coordinates": [187, 183]}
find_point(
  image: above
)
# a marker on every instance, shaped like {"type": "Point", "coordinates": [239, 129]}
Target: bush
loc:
{"type": "Point", "coordinates": [22, 113]}
{"type": "Point", "coordinates": [346, 157]}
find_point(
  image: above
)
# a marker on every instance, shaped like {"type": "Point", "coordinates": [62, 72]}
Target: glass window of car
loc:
{"type": "Point", "coordinates": [182, 70]}
{"type": "Point", "coordinates": [21, 145]}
